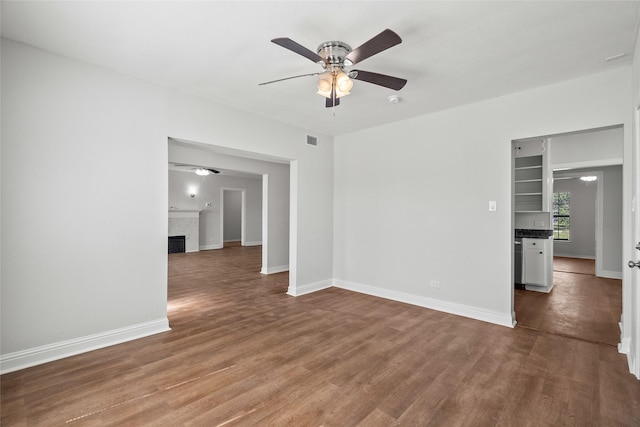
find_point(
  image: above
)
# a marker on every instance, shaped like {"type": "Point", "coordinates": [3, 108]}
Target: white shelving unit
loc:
{"type": "Point", "coordinates": [528, 184]}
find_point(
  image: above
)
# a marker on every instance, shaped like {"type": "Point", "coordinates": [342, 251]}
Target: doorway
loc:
{"type": "Point", "coordinates": [232, 217]}
{"type": "Point", "coordinates": [583, 305]}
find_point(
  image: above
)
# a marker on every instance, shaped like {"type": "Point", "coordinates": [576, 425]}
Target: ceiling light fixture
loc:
{"type": "Point", "coordinates": [202, 172]}
{"type": "Point", "coordinates": [335, 82]}
{"type": "Point", "coordinates": [588, 178]}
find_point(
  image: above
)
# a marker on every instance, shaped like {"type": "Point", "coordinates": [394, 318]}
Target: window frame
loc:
{"type": "Point", "coordinates": [557, 216]}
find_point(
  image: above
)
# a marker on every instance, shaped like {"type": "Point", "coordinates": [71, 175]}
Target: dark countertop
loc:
{"type": "Point", "coordinates": [533, 233]}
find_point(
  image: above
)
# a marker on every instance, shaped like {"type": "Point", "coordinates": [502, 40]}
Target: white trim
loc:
{"type": "Point", "coordinates": [276, 269]}
{"type": "Point", "coordinates": [210, 247]}
{"type": "Point", "coordinates": [608, 274]}
{"type": "Point", "coordinates": [561, 255]}
{"type": "Point", "coordinates": [434, 304]}
{"type": "Point", "coordinates": [587, 164]}
{"type": "Point", "coordinates": [193, 250]}
{"type": "Point", "coordinates": [265, 222]}
{"type": "Point", "coordinates": [50, 352]}
{"type": "Point", "coordinates": [599, 222]}
{"type": "Point", "coordinates": [296, 291]}
{"type": "Point", "coordinates": [624, 346]}
{"type": "Point", "coordinates": [256, 243]}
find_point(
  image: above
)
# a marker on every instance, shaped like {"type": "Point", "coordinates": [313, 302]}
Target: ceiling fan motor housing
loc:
{"type": "Point", "coordinates": [334, 53]}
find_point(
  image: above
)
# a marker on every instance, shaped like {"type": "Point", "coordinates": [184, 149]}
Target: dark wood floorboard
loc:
{"type": "Point", "coordinates": [243, 353]}
{"type": "Point", "coordinates": [580, 305]}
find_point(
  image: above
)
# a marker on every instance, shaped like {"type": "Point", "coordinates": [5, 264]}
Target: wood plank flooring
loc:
{"type": "Point", "coordinates": [580, 305]}
{"type": "Point", "coordinates": [243, 353]}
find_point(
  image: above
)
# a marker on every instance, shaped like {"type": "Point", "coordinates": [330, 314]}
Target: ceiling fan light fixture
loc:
{"type": "Point", "coordinates": [343, 84]}
{"type": "Point", "coordinates": [325, 83]}
{"type": "Point", "coordinates": [202, 172]}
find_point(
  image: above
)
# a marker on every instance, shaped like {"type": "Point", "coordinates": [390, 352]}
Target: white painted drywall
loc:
{"type": "Point", "coordinates": [613, 260]}
{"type": "Point", "coordinates": [600, 147]}
{"type": "Point", "coordinates": [232, 208]}
{"type": "Point", "coordinates": [207, 190]}
{"type": "Point", "coordinates": [84, 200]}
{"type": "Point", "coordinates": [411, 198]}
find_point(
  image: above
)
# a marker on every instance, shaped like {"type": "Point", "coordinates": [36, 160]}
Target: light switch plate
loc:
{"type": "Point", "coordinates": [492, 205]}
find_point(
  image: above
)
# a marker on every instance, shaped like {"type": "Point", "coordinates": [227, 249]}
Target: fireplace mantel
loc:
{"type": "Point", "coordinates": [184, 213]}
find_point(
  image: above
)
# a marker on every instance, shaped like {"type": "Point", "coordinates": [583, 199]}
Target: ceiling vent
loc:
{"type": "Point", "coordinates": [312, 140]}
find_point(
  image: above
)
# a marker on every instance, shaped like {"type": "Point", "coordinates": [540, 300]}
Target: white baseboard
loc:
{"type": "Point", "coordinates": [607, 274]}
{"type": "Point", "coordinates": [276, 269]}
{"type": "Point", "coordinates": [296, 291]}
{"type": "Point", "coordinates": [573, 256]}
{"type": "Point", "coordinates": [50, 352]}
{"type": "Point", "coordinates": [258, 243]}
{"type": "Point", "coordinates": [210, 247]}
{"type": "Point", "coordinates": [624, 346]}
{"type": "Point", "coordinates": [434, 304]}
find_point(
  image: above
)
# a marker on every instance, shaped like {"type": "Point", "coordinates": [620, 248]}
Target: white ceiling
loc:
{"type": "Point", "coordinates": [453, 53]}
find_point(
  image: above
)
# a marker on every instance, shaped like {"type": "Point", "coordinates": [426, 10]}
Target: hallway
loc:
{"type": "Point", "coordinates": [580, 305]}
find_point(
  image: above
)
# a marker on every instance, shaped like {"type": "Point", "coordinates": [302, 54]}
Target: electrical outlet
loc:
{"type": "Point", "coordinates": [435, 284]}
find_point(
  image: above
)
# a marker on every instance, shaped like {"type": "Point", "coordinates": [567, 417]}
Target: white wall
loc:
{"type": "Point", "coordinates": [232, 230]}
{"type": "Point", "coordinates": [84, 199]}
{"type": "Point", "coordinates": [613, 260]}
{"type": "Point", "coordinates": [207, 189]}
{"type": "Point", "coordinates": [411, 198]}
{"type": "Point", "coordinates": [598, 147]}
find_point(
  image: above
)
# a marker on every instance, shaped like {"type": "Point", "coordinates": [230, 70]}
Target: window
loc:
{"type": "Point", "coordinates": [561, 215]}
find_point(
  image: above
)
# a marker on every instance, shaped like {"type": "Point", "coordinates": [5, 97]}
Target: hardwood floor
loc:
{"type": "Point", "coordinates": [580, 305]}
{"type": "Point", "coordinates": [242, 353]}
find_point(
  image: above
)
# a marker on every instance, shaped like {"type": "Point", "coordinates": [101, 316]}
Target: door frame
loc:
{"type": "Point", "coordinates": [630, 321]}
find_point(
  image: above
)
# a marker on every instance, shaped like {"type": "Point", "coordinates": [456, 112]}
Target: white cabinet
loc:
{"type": "Point", "coordinates": [532, 176]}
{"type": "Point", "coordinates": [538, 263]}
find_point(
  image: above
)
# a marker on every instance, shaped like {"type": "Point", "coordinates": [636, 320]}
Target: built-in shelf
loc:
{"type": "Point", "coordinates": [528, 184]}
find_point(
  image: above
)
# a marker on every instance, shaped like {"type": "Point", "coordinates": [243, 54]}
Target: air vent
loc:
{"type": "Point", "coordinates": [312, 140]}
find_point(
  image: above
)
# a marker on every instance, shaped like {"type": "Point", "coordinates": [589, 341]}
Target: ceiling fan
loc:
{"type": "Point", "coordinates": [201, 171]}
{"type": "Point", "coordinates": [335, 82]}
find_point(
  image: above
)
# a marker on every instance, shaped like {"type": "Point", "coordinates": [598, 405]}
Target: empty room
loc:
{"type": "Point", "coordinates": [401, 176]}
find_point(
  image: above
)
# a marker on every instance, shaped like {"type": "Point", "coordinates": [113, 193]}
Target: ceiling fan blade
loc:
{"type": "Point", "coordinates": [288, 78]}
{"type": "Point", "coordinates": [377, 44]}
{"type": "Point", "coordinates": [213, 171]}
{"type": "Point", "coordinates": [391, 82]}
{"type": "Point", "coordinates": [287, 43]}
